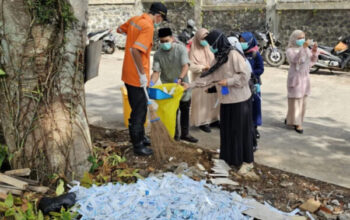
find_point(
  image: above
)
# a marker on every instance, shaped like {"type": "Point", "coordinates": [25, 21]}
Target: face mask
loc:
{"type": "Point", "coordinates": [204, 43]}
{"type": "Point", "coordinates": [244, 45]}
{"type": "Point", "coordinates": [300, 42]}
{"type": "Point", "coordinates": [165, 46]}
{"type": "Point", "coordinates": [157, 24]}
{"type": "Point", "coordinates": [215, 42]}
{"type": "Point", "coordinates": [214, 50]}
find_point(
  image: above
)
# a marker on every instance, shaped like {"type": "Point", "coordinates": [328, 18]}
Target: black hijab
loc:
{"type": "Point", "coordinates": [218, 40]}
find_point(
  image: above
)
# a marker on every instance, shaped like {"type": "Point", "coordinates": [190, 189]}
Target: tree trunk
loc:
{"type": "Point", "coordinates": [42, 105]}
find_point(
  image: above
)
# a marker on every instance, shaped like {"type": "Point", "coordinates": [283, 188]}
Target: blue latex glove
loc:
{"type": "Point", "coordinates": [224, 90]}
{"type": "Point", "coordinates": [151, 84]}
{"type": "Point", "coordinates": [257, 87]}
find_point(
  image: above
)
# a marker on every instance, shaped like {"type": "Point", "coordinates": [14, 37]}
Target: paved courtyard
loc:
{"type": "Point", "coordinates": [322, 152]}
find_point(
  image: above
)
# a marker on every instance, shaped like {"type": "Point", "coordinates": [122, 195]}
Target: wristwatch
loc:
{"type": "Point", "coordinates": [182, 79]}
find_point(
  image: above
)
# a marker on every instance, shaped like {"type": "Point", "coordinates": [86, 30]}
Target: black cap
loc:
{"type": "Point", "coordinates": [164, 32]}
{"type": "Point", "coordinates": [159, 8]}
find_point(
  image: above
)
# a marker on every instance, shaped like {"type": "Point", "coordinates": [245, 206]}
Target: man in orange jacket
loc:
{"type": "Point", "coordinates": [136, 67]}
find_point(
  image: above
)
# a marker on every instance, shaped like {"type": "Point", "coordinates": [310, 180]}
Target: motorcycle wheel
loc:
{"type": "Point", "coordinates": [274, 58]}
{"type": "Point", "coordinates": [109, 48]}
{"type": "Point", "coordinates": [314, 69]}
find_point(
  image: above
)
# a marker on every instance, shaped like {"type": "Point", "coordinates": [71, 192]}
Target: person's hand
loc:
{"type": "Point", "coordinates": [306, 44]}
{"type": "Point", "coordinates": [206, 68]}
{"type": "Point", "coordinates": [143, 80]}
{"type": "Point", "coordinates": [179, 81]}
{"type": "Point", "coordinates": [223, 82]}
{"type": "Point", "coordinates": [185, 85]}
{"type": "Point", "coordinates": [314, 48]}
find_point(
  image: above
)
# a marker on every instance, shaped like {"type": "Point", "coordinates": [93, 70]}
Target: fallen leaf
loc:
{"type": "Point", "coordinates": [150, 169]}
{"type": "Point", "coordinates": [325, 209]}
{"type": "Point", "coordinates": [311, 205]}
{"type": "Point", "coordinates": [60, 188]}
{"type": "Point", "coordinates": [338, 211]}
{"type": "Point", "coordinates": [24, 207]}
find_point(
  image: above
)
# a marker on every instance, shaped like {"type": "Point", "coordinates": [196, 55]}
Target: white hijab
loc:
{"type": "Point", "coordinates": [235, 43]}
{"type": "Point", "coordinates": [293, 45]}
{"type": "Point", "coordinates": [293, 38]}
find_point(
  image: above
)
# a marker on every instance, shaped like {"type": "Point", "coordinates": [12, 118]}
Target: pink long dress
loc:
{"type": "Point", "coordinates": [298, 83]}
{"type": "Point", "coordinates": [300, 61]}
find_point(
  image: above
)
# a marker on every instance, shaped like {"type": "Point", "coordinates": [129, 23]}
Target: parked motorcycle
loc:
{"type": "Point", "coordinates": [186, 34]}
{"type": "Point", "coordinates": [337, 58]}
{"type": "Point", "coordinates": [108, 40]}
{"type": "Point", "coordinates": [108, 44]}
{"type": "Point", "coordinates": [268, 48]}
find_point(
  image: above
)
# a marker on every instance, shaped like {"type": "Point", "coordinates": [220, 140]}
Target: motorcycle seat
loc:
{"type": "Point", "coordinates": [96, 32]}
{"type": "Point", "coordinates": [329, 49]}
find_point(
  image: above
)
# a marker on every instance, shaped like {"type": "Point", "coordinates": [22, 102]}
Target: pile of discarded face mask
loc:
{"type": "Point", "coordinates": [170, 197]}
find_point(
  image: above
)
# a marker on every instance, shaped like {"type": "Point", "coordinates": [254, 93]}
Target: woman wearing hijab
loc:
{"type": "Point", "coordinates": [230, 75]}
{"type": "Point", "coordinates": [300, 59]}
{"type": "Point", "coordinates": [251, 51]}
{"type": "Point", "coordinates": [237, 45]}
{"type": "Point", "coordinates": [203, 109]}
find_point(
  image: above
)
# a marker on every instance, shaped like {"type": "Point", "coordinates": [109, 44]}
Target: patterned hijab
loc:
{"type": "Point", "coordinates": [293, 38]}
{"type": "Point", "coordinates": [218, 40]}
{"type": "Point", "coordinates": [200, 55]}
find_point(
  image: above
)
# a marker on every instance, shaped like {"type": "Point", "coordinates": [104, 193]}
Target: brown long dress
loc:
{"type": "Point", "coordinates": [204, 107]}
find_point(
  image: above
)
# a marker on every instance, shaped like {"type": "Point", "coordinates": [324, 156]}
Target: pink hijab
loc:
{"type": "Point", "coordinates": [200, 55]}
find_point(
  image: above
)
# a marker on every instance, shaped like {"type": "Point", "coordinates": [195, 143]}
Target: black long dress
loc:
{"type": "Point", "coordinates": [236, 127]}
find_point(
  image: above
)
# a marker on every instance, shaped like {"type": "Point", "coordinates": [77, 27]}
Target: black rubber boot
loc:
{"type": "Point", "coordinates": [137, 139]}
{"type": "Point", "coordinates": [205, 128]}
{"type": "Point", "coordinates": [146, 141]}
{"type": "Point", "coordinates": [142, 150]}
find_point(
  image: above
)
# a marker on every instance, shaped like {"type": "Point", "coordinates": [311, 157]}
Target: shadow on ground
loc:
{"type": "Point", "coordinates": [106, 107]}
{"type": "Point", "coordinates": [324, 147]}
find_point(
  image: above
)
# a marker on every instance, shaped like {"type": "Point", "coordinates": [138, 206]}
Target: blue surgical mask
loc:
{"type": "Point", "coordinates": [300, 42]}
{"type": "Point", "coordinates": [214, 50]}
{"type": "Point", "coordinates": [204, 43]}
{"type": "Point", "coordinates": [165, 46]}
{"type": "Point", "coordinates": [156, 25]}
{"type": "Point", "coordinates": [244, 45]}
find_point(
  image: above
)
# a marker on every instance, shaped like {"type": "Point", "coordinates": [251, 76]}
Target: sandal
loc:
{"type": "Point", "coordinates": [300, 131]}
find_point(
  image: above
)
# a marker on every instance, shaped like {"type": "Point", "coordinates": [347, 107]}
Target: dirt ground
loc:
{"type": "Point", "coordinates": [283, 190]}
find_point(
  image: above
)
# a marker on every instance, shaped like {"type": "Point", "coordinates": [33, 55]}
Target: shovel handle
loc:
{"type": "Point", "coordinates": [146, 93]}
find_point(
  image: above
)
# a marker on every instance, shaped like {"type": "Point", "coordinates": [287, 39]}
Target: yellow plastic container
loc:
{"type": "Point", "coordinates": [126, 106]}
{"type": "Point", "coordinates": [167, 108]}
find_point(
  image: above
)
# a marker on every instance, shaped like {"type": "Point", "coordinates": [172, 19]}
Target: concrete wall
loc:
{"type": "Point", "coordinates": [324, 26]}
{"type": "Point", "coordinates": [324, 21]}
{"type": "Point", "coordinates": [178, 14]}
{"type": "Point", "coordinates": [321, 20]}
{"type": "Point", "coordinates": [109, 14]}
{"type": "Point", "coordinates": [237, 20]}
